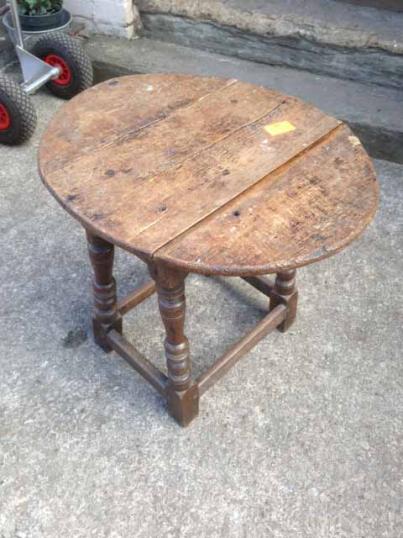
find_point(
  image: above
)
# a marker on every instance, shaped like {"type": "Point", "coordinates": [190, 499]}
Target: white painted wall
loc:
{"type": "Point", "coordinates": [112, 17]}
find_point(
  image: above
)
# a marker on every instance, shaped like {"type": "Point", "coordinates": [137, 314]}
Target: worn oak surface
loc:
{"type": "Point", "coordinates": [210, 175]}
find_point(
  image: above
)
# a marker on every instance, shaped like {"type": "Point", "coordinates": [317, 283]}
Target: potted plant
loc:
{"type": "Point", "coordinates": [38, 15]}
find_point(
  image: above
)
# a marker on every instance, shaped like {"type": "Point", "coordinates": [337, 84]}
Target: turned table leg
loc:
{"type": "Point", "coordinates": [285, 292]}
{"type": "Point", "coordinates": [182, 393]}
{"type": "Point", "coordinates": [106, 316]}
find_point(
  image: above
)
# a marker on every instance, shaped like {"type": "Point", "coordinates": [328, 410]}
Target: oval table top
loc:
{"type": "Point", "coordinates": [208, 175]}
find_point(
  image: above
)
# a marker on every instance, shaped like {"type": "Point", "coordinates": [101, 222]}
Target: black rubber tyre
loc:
{"type": "Point", "coordinates": [17, 113]}
{"type": "Point", "coordinates": [61, 50]}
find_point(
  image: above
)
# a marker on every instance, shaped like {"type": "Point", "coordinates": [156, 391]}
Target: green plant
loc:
{"type": "Point", "coordinates": [39, 7]}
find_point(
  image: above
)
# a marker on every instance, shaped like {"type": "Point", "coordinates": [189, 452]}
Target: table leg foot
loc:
{"type": "Point", "coordinates": [183, 405]}
{"type": "Point", "coordinates": [285, 292]}
{"type": "Point", "coordinates": [106, 315]}
{"type": "Point", "coordinates": [182, 393]}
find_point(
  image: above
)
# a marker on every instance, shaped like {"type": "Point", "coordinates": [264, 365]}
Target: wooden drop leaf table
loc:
{"type": "Point", "coordinates": [203, 175]}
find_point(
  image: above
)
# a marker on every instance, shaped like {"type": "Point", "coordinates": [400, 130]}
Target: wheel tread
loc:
{"type": "Point", "coordinates": [23, 107]}
{"type": "Point", "coordinates": [62, 43]}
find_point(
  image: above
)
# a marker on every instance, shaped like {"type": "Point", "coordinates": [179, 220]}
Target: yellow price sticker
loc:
{"type": "Point", "coordinates": [280, 127]}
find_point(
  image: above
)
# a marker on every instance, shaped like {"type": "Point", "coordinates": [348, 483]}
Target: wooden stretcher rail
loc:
{"type": "Point", "coordinates": [136, 297]}
{"type": "Point", "coordinates": [232, 356]}
{"type": "Point", "coordinates": [261, 283]}
{"type": "Point", "coordinates": [143, 366]}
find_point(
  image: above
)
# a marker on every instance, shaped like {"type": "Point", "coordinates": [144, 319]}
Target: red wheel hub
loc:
{"type": "Point", "coordinates": [5, 120]}
{"type": "Point", "coordinates": [65, 76]}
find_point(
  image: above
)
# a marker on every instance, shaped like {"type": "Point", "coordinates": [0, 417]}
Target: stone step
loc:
{"type": "Point", "coordinates": [338, 39]}
{"type": "Point", "coordinates": [374, 112]}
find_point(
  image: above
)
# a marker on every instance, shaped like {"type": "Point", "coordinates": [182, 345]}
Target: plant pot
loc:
{"type": "Point", "coordinates": [35, 23]}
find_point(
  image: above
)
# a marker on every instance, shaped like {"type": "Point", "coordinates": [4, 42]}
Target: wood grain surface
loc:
{"type": "Point", "coordinates": [208, 175]}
